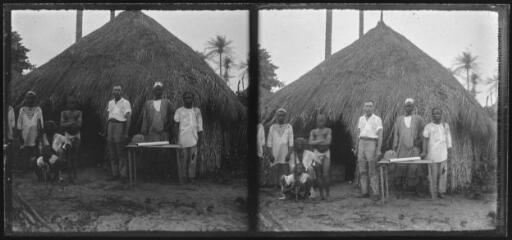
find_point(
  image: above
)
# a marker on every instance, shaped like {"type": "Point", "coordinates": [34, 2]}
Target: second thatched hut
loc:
{"type": "Point", "coordinates": [386, 67]}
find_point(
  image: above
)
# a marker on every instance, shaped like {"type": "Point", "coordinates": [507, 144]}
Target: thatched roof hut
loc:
{"type": "Point", "coordinates": [386, 67]}
{"type": "Point", "coordinates": [135, 51]}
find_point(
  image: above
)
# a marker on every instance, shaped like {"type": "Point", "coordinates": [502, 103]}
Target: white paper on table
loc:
{"type": "Point", "coordinates": [153, 143]}
{"type": "Point", "coordinates": [404, 159]}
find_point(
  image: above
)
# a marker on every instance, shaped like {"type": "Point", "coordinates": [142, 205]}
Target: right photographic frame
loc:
{"type": "Point", "coordinates": [383, 118]}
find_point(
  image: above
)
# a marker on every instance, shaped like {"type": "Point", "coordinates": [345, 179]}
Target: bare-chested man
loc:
{"type": "Point", "coordinates": [320, 140]}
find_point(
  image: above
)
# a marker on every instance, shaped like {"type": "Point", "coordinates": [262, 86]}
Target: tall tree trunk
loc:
{"type": "Point", "coordinates": [220, 64]}
{"type": "Point", "coordinates": [79, 19]}
{"type": "Point", "coordinates": [112, 15]}
{"type": "Point", "coordinates": [467, 78]}
{"type": "Point", "coordinates": [328, 33]}
{"type": "Point", "coordinates": [361, 23]}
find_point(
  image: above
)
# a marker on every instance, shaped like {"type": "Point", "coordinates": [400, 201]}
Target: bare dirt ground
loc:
{"type": "Point", "coordinates": [344, 212]}
{"type": "Point", "coordinates": [93, 204]}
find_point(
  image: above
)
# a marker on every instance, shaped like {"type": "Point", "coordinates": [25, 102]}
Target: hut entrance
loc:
{"type": "Point", "coordinates": [343, 160]}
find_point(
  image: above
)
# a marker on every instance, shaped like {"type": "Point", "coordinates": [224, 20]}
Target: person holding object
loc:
{"type": "Point", "coordinates": [118, 123]}
{"type": "Point", "coordinates": [156, 124]}
{"type": "Point", "coordinates": [368, 150]}
{"type": "Point", "coordinates": [437, 147]}
{"type": "Point", "coordinates": [407, 142]}
{"type": "Point", "coordinates": [30, 124]}
{"type": "Point", "coordinates": [320, 140]}
{"type": "Point", "coordinates": [279, 146]}
{"type": "Point", "coordinates": [189, 122]}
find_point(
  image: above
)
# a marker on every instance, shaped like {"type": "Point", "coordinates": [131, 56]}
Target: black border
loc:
{"type": "Point", "coordinates": [503, 100]}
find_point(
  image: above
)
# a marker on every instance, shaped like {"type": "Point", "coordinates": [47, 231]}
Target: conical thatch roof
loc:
{"type": "Point", "coordinates": [386, 67]}
{"type": "Point", "coordinates": [135, 51]}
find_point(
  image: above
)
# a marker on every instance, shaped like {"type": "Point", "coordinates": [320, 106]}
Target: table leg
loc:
{"type": "Point", "coordinates": [387, 181]}
{"type": "Point", "coordinates": [135, 167]}
{"type": "Point", "coordinates": [382, 195]}
{"type": "Point", "coordinates": [130, 166]}
{"type": "Point", "coordinates": [178, 165]}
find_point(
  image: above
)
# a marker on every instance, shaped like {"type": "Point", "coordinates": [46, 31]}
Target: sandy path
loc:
{"type": "Point", "coordinates": [344, 212]}
{"type": "Point", "coordinates": [93, 204]}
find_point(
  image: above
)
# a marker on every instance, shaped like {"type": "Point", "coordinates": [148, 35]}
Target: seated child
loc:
{"type": "Point", "coordinates": [60, 145]}
{"type": "Point", "coordinates": [298, 184]}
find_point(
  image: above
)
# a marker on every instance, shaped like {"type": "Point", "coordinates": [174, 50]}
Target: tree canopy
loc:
{"type": "Point", "coordinates": [19, 58]}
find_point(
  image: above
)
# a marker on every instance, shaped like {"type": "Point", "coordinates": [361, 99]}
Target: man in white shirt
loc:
{"type": "Point", "coordinates": [118, 123]}
{"type": "Point", "coordinates": [189, 122]}
{"type": "Point", "coordinates": [368, 147]}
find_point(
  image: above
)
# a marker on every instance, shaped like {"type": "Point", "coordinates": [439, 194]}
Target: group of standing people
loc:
{"type": "Point", "coordinates": [300, 172]}
{"type": "Point", "coordinates": [49, 148]}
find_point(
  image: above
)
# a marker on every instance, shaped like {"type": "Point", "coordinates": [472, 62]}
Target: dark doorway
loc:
{"type": "Point", "coordinates": [343, 159]}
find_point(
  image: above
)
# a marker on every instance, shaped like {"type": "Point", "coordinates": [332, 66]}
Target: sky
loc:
{"type": "Point", "coordinates": [49, 32]}
{"type": "Point", "coordinates": [295, 39]}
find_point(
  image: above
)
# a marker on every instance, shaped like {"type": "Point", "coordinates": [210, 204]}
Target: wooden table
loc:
{"type": "Point", "coordinates": [134, 152]}
{"type": "Point", "coordinates": [384, 183]}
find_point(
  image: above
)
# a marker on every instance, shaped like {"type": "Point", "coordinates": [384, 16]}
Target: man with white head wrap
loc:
{"type": "Point", "coordinates": [156, 124]}
{"type": "Point", "coordinates": [407, 142]}
{"type": "Point", "coordinates": [279, 145]}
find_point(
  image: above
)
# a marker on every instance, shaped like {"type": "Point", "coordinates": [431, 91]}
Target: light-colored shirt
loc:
{"type": "Point", "coordinates": [118, 110]}
{"type": "Point", "coordinates": [156, 104]}
{"type": "Point", "coordinates": [261, 139]}
{"type": "Point", "coordinates": [191, 123]}
{"type": "Point", "coordinates": [407, 121]}
{"type": "Point", "coordinates": [369, 127]}
{"type": "Point", "coordinates": [280, 137]}
{"type": "Point", "coordinates": [27, 123]}
{"type": "Point", "coordinates": [12, 123]}
{"type": "Point", "coordinates": [439, 140]}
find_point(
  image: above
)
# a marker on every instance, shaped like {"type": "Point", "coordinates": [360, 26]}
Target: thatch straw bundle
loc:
{"type": "Point", "coordinates": [386, 67]}
{"type": "Point", "coordinates": [135, 51]}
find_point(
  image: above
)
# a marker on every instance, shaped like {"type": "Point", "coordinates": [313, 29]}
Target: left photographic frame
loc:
{"type": "Point", "coordinates": [126, 120]}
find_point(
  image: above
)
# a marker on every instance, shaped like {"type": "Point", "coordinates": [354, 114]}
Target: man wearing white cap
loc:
{"type": "Point", "coordinates": [279, 146]}
{"type": "Point", "coordinates": [407, 142]}
{"type": "Point", "coordinates": [156, 122]}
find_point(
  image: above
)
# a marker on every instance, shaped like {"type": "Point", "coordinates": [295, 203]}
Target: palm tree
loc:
{"type": "Point", "coordinates": [466, 61]}
{"type": "Point", "coordinates": [228, 63]}
{"type": "Point", "coordinates": [219, 46]}
{"type": "Point", "coordinates": [493, 87]}
{"type": "Point", "coordinates": [244, 66]}
{"type": "Point", "coordinates": [475, 79]}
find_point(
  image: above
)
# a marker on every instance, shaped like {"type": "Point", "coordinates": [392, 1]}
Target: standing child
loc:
{"type": "Point", "coordinates": [280, 146]}
{"type": "Point", "coordinates": [71, 122]}
{"type": "Point", "coordinates": [190, 124]}
{"type": "Point", "coordinates": [320, 140]}
{"type": "Point", "coordinates": [30, 124]}
{"type": "Point", "coordinates": [437, 147]}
